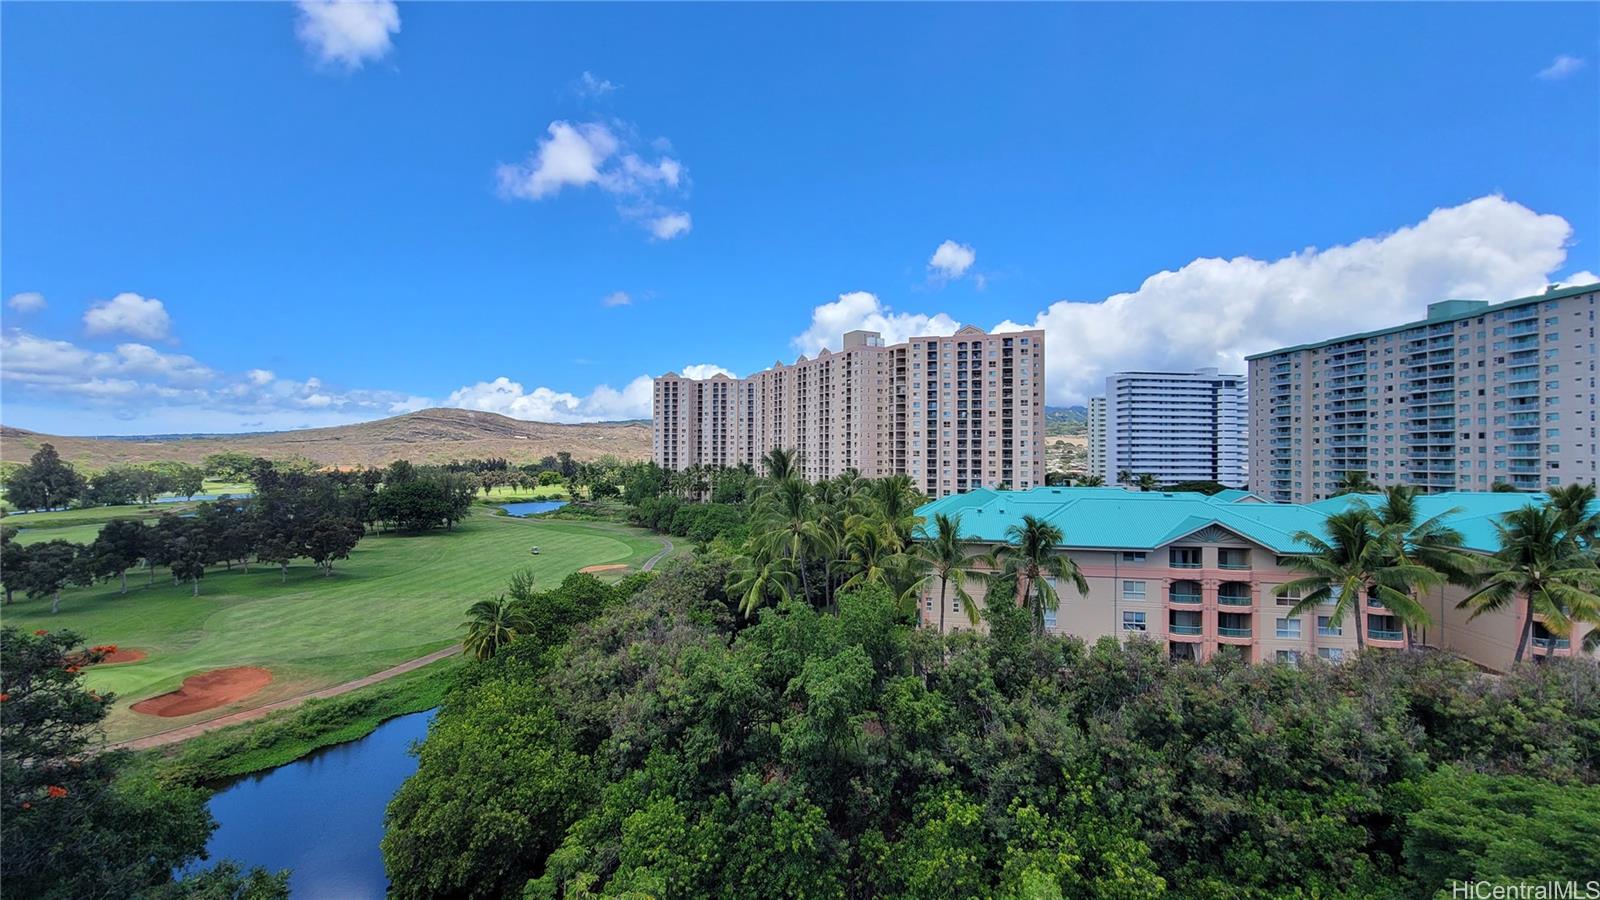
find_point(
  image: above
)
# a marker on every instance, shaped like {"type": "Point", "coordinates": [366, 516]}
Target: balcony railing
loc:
{"type": "Point", "coordinates": [1221, 564]}
{"type": "Point", "coordinates": [1185, 564]}
{"type": "Point", "coordinates": [1184, 597]}
{"type": "Point", "coordinates": [1233, 600]}
{"type": "Point", "coordinates": [1330, 631]}
{"type": "Point", "coordinates": [1384, 634]}
{"type": "Point", "coordinates": [1234, 632]}
{"type": "Point", "coordinates": [1184, 629]}
{"type": "Point", "coordinates": [1544, 643]}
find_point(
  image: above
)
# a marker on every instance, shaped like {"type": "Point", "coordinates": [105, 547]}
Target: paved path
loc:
{"type": "Point", "coordinates": [666, 547]}
{"type": "Point", "coordinates": [173, 736]}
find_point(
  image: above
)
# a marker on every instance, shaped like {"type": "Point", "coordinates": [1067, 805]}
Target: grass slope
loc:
{"type": "Point", "coordinates": [396, 598]}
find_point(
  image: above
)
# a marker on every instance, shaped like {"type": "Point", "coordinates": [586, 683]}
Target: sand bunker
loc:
{"type": "Point", "coordinates": [611, 568]}
{"type": "Point", "coordinates": [206, 691]}
{"type": "Point", "coordinates": [122, 656]}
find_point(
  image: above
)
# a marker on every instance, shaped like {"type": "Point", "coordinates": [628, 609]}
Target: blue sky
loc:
{"type": "Point", "coordinates": [223, 217]}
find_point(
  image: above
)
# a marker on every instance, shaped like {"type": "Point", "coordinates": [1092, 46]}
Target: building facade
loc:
{"type": "Point", "coordinates": [952, 413]}
{"type": "Point", "coordinates": [1177, 426]}
{"type": "Point", "coordinates": [1097, 439]}
{"type": "Point", "coordinates": [1472, 396]}
{"type": "Point", "coordinates": [1199, 574]}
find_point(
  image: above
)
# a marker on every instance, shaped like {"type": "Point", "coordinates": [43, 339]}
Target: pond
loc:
{"type": "Point", "coordinates": [531, 507]}
{"type": "Point", "coordinates": [321, 816]}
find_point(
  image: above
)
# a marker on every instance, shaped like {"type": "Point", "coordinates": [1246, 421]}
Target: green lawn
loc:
{"type": "Point", "coordinates": [396, 598]}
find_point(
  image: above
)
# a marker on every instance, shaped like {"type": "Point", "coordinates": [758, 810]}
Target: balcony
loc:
{"type": "Point", "coordinates": [1233, 631]}
{"type": "Point", "coordinates": [1547, 644]}
{"type": "Point", "coordinates": [1185, 557]}
{"type": "Point", "coordinates": [1233, 559]}
{"type": "Point", "coordinates": [1185, 593]}
{"type": "Point", "coordinates": [1176, 628]}
{"type": "Point", "coordinates": [1234, 593]}
{"type": "Point", "coordinates": [1385, 634]}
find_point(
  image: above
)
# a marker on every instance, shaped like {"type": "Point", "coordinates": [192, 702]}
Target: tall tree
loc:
{"type": "Point", "coordinates": [118, 547]}
{"type": "Point", "coordinates": [332, 539]}
{"type": "Point", "coordinates": [1539, 570]}
{"type": "Point", "coordinates": [491, 624]}
{"type": "Point", "coordinates": [1028, 560]}
{"type": "Point", "coordinates": [779, 465]}
{"type": "Point", "coordinates": [49, 567]}
{"type": "Point", "coordinates": [1429, 550]}
{"type": "Point", "coordinates": [1354, 482]}
{"type": "Point", "coordinates": [46, 482]}
{"type": "Point", "coordinates": [947, 559]}
{"type": "Point", "coordinates": [1147, 482]}
{"type": "Point", "coordinates": [1574, 506]}
{"type": "Point", "coordinates": [787, 522]}
{"type": "Point", "coordinates": [1354, 559]}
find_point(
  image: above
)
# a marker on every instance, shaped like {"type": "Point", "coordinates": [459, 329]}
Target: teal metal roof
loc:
{"type": "Point", "coordinates": [1112, 518]}
{"type": "Point", "coordinates": [1447, 316]}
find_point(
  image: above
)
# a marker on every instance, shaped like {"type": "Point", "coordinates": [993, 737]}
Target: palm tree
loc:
{"type": "Point", "coordinates": [1355, 562]}
{"type": "Point", "coordinates": [779, 464]}
{"type": "Point", "coordinates": [893, 501]}
{"type": "Point", "coordinates": [1147, 482]}
{"type": "Point", "coordinates": [947, 559]}
{"type": "Point", "coordinates": [491, 624]}
{"type": "Point", "coordinates": [1429, 543]}
{"type": "Point", "coordinates": [1027, 561]}
{"type": "Point", "coordinates": [1573, 506]}
{"type": "Point", "coordinates": [754, 580]}
{"type": "Point", "coordinates": [868, 550]}
{"type": "Point", "coordinates": [1540, 565]}
{"type": "Point", "coordinates": [786, 518]}
{"type": "Point", "coordinates": [1092, 481]}
{"type": "Point", "coordinates": [1354, 482]}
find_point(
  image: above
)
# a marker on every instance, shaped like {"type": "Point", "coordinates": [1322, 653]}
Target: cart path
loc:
{"type": "Point", "coordinates": [666, 547]}
{"type": "Point", "coordinates": [183, 733]}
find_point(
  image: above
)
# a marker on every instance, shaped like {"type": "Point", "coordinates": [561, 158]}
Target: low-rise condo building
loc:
{"type": "Point", "coordinates": [1175, 426]}
{"type": "Point", "coordinates": [1472, 396]}
{"type": "Point", "coordinates": [952, 412]}
{"type": "Point", "coordinates": [1198, 574]}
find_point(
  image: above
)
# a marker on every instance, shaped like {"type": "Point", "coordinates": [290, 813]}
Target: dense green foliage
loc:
{"type": "Point", "coordinates": [672, 747]}
{"type": "Point", "coordinates": [72, 825]}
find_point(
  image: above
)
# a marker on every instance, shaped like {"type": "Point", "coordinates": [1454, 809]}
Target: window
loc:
{"type": "Point", "coordinates": [930, 604]}
{"type": "Point", "coordinates": [1133, 621]}
{"type": "Point", "coordinates": [1131, 556]}
{"type": "Point", "coordinates": [1289, 657]}
{"type": "Point", "coordinates": [1331, 654]}
{"type": "Point", "coordinates": [1133, 590]}
{"type": "Point", "coordinates": [1289, 628]}
{"type": "Point", "coordinates": [955, 604]}
{"type": "Point", "coordinates": [1289, 598]}
{"type": "Point", "coordinates": [1185, 557]}
{"type": "Point", "coordinates": [1049, 619]}
{"type": "Point", "coordinates": [1326, 627]}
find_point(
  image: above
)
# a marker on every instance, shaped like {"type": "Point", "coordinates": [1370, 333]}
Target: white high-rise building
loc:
{"type": "Point", "coordinates": [1473, 396]}
{"type": "Point", "coordinates": [1176, 426]}
{"type": "Point", "coordinates": [1097, 439]}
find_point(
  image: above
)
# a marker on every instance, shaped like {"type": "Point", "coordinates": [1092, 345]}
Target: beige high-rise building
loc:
{"type": "Point", "coordinates": [1472, 396]}
{"type": "Point", "coordinates": [953, 413]}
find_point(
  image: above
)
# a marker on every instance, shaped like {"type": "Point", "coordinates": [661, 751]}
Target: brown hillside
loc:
{"type": "Point", "coordinates": [431, 435]}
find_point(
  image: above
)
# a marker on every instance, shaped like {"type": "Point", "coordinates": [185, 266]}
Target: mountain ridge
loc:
{"type": "Point", "coordinates": [429, 435]}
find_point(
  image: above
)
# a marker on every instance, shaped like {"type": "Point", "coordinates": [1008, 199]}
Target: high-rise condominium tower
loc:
{"type": "Point", "coordinates": [1176, 426]}
{"type": "Point", "coordinates": [1472, 396]}
{"type": "Point", "coordinates": [953, 413]}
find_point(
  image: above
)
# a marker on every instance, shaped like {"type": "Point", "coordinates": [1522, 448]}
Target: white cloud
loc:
{"type": "Point", "coordinates": [952, 260]}
{"type": "Point", "coordinates": [578, 155]}
{"type": "Point", "coordinates": [702, 371]}
{"type": "Point", "coordinates": [130, 314]}
{"type": "Point", "coordinates": [1213, 312]}
{"type": "Point", "coordinates": [616, 298]}
{"type": "Point", "coordinates": [592, 87]}
{"type": "Point", "coordinates": [1577, 278]}
{"type": "Point", "coordinates": [863, 310]}
{"type": "Point", "coordinates": [347, 33]}
{"type": "Point", "coordinates": [571, 156]}
{"type": "Point", "coordinates": [1561, 67]}
{"type": "Point", "coordinates": [669, 226]}
{"type": "Point", "coordinates": [542, 404]}
{"type": "Point", "coordinates": [26, 302]}
{"type": "Point", "coordinates": [260, 376]}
